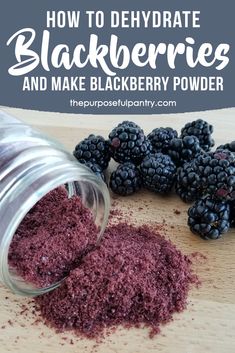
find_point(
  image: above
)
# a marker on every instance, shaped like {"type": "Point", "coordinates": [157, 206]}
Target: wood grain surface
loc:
{"type": "Point", "coordinates": [208, 325]}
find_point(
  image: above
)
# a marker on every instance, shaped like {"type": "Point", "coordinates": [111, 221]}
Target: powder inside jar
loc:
{"type": "Point", "coordinates": [52, 239]}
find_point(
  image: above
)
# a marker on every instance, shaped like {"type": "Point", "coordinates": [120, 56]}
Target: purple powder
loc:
{"type": "Point", "coordinates": [52, 239]}
{"type": "Point", "coordinates": [134, 278]}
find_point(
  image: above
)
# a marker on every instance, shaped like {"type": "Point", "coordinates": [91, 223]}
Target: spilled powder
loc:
{"type": "Point", "coordinates": [134, 278]}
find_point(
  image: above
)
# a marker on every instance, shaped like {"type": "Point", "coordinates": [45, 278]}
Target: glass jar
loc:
{"type": "Point", "coordinates": [31, 165]}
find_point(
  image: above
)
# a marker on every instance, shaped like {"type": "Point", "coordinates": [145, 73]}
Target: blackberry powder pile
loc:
{"type": "Point", "coordinates": [134, 278]}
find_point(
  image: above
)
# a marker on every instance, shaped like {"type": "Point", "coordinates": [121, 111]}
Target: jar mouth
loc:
{"type": "Point", "coordinates": [33, 187]}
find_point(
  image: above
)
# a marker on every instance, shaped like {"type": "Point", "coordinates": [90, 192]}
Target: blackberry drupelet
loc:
{"type": "Point", "coordinates": [228, 146]}
{"type": "Point", "coordinates": [217, 173]}
{"type": "Point", "coordinates": [202, 130]}
{"type": "Point", "coordinates": [126, 179]}
{"type": "Point", "coordinates": [158, 173]}
{"type": "Point", "coordinates": [188, 183]}
{"type": "Point", "coordinates": [161, 137]}
{"type": "Point", "coordinates": [184, 150]}
{"type": "Point", "coordinates": [128, 143]}
{"type": "Point", "coordinates": [93, 149]}
{"type": "Point", "coordinates": [209, 218]}
{"type": "Point", "coordinates": [95, 168]}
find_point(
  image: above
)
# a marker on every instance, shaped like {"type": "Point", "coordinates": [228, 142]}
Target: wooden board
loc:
{"type": "Point", "coordinates": [208, 325]}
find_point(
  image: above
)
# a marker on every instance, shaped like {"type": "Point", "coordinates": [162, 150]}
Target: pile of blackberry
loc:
{"type": "Point", "coordinates": [162, 162]}
{"type": "Point", "coordinates": [127, 145]}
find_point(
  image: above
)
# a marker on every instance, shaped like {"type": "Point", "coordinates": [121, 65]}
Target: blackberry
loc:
{"type": "Point", "coordinates": [158, 173]}
{"type": "Point", "coordinates": [126, 179]}
{"type": "Point", "coordinates": [184, 150]}
{"type": "Point", "coordinates": [95, 168]}
{"type": "Point", "coordinates": [217, 173]}
{"type": "Point", "coordinates": [188, 183]}
{"type": "Point", "coordinates": [202, 130]}
{"type": "Point", "coordinates": [161, 137]}
{"type": "Point", "coordinates": [128, 143]}
{"type": "Point", "coordinates": [93, 149]}
{"type": "Point", "coordinates": [209, 218]}
{"type": "Point", "coordinates": [228, 146]}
